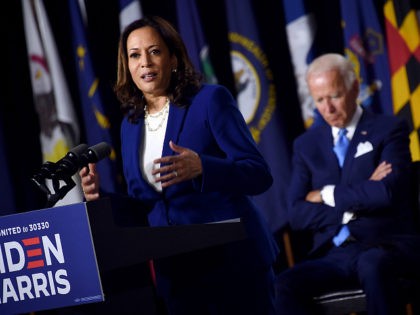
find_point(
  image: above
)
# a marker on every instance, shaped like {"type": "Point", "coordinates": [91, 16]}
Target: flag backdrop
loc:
{"type": "Point", "coordinates": [365, 47]}
{"type": "Point", "coordinates": [58, 123]}
{"type": "Point", "coordinates": [301, 28]}
{"type": "Point", "coordinates": [191, 31]}
{"type": "Point", "coordinates": [130, 10]}
{"type": "Point", "coordinates": [403, 38]}
{"type": "Point", "coordinates": [257, 101]}
{"type": "Point", "coordinates": [97, 123]}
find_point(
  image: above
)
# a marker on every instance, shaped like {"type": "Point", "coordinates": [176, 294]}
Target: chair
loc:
{"type": "Point", "coordinates": [353, 301]}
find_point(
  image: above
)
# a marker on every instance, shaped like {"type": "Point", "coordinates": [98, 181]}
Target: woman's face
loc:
{"type": "Point", "coordinates": [149, 61]}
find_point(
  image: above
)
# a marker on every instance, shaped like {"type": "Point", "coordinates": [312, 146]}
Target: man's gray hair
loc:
{"type": "Point", "coordinates": [333, 61]}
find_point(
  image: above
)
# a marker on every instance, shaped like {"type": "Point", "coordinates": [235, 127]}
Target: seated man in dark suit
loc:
{"type": "Point", "coordinates": [350, 189]}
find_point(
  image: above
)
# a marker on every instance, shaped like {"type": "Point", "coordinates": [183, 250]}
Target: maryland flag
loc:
{"type": "Point", "coordinates": [403, 37]}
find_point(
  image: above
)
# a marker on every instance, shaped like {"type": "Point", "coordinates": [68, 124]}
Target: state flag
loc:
{"type": "Point", "coordinates": [257, 101]}
{"type": "Point", "coordinates": [130, 10]}
{"type": "Point", "coordinates": [365, 46]}
{"type": "Point", "coordinates": [192, 33]}
{"type": "Point", "coordinates": [53, 103]}
{"type": "Point", "coordinates": [403, 41]}
{"type": "Point", "coordinates": [94, 108]}
{"type": "Point", "coordinates": [301, 28]}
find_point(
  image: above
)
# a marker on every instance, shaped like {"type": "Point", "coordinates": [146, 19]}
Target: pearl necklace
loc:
{"type": "Point", "coordinates": [152, 118]}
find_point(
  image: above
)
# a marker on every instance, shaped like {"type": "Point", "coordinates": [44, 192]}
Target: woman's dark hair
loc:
{"type": "Point", "coordinates": [185, 81]}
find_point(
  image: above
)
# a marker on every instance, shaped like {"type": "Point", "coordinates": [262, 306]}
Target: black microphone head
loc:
{"type": "Point", "coordinates": [69, 164]}
{"type": "Point", "coordinates": [97, 152]}
{"type": "Point", "coordinates": [78, 150]}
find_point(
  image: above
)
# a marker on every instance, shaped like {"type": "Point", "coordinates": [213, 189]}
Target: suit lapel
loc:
{"type": "Point", "coordinates": [175, 125]}
{"type": "Point", "coordinates": [137, 132]}
{"type": "Point", "coordinates": [361, 134]}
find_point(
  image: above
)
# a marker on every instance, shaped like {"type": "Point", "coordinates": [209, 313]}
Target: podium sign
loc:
{"type": "Point", "coordinates": [47, 260]}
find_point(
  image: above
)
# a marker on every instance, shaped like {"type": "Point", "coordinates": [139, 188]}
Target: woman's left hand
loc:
{"type": "Point", "coordinates": [185, 165]}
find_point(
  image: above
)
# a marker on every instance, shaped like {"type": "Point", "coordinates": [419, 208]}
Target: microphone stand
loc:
{"type": "Point", "coordinates": [65, 168]}
{"type": "Point", "coordinates": [48, 171]}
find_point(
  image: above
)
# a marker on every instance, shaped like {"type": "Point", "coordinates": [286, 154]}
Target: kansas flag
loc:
{"type": "Point", "coordinates": [257, 101]}
{"type": "Point", "coordinates": [98, 126]}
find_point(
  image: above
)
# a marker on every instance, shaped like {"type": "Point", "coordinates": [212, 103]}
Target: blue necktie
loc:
{"type": "Point", "coordinates": [341, 146]}
{"type": "Point", "coordinates": [340, 150]}
{"type": "Point", "coordinates": [342, 235]}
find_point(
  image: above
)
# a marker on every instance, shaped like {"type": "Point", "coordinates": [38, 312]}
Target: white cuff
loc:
{"type": "Point", "coordinates": [327, 195]}
{"type": "Point", "coordinates": [347, 216]}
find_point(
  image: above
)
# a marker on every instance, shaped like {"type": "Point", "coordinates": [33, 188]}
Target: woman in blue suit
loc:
{"type": "Point", "coordinates": [189, 157]}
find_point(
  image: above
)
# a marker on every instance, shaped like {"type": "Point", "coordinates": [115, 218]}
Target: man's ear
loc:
{"type": "Point", "coordinates": [356, 87]}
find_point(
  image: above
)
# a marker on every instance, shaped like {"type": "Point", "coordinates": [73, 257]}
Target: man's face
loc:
{"type": "Point", "coordinates": [334, 101]}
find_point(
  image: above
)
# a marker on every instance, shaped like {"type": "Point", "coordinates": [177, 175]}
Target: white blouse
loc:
{"type": "Point", "coordinates": [154, 135]}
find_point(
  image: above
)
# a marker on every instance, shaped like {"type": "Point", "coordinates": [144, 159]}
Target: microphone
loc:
{"type": "Point", "coordinates": [80, 157]}
{"type": "Point", "coordinates": [95, 153]}
{"type": "Point", "coordinates": [63, 170]}
{"type": "Point", "coordinates": [69, 164]}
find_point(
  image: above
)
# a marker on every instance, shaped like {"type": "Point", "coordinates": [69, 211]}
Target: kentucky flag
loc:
{"type": "Point", "coordinates": [257, 101]}
{"type": "Point", "coordinates": [191, 31]}
{"type": "Point", "coordinates": [93, 108]}
{"type": "Point", "coordinates": [301, 28]}
{"type": "Point", "coordinates": [365, 47]}
{"type": "Point", "coordinates": [403, 38]}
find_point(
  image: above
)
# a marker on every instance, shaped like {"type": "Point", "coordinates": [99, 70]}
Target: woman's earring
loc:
{"type": "Point", "coordinates": [174, 70]}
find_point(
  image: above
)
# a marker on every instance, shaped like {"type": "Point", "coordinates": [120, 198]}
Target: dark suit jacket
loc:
{"type": "Point", "coordinates": [381, 207]}
{"type": "Point", "coordinates": [233, 168]}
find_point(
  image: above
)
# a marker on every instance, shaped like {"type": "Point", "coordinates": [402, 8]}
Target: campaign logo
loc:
{"type": "Point", "coordinates": [47, 260]}
{"type": "Point", "coordinates": [26, 255]}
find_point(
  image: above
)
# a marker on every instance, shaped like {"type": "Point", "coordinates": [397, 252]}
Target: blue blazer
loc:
{"type": "Point", "coordinates": [381, 207]}
{"type": "Point", "coordinates": [233, 168]}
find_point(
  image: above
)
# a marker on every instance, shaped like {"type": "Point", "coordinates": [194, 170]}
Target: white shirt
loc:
{"type": "Point", "coordinates": [152, 147]}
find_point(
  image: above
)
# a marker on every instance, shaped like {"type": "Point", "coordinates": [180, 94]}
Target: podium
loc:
{"type": "Point", "coordinates": [124, 243]}
{"type": "Point", "coordinates": [122, 237]}
{"type": "Point", "coordinates": [71, 257]}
